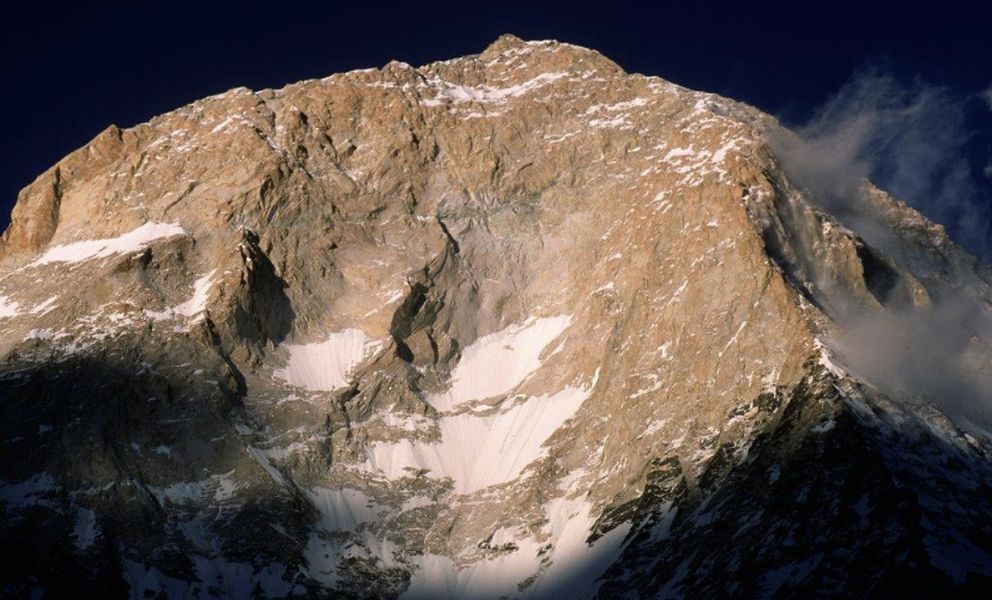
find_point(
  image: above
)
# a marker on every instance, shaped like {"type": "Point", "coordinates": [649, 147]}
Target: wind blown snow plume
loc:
{"type": "Point", "coordinates": [934, 353]}
{"type": "Point", "coordinates": [908, 139]}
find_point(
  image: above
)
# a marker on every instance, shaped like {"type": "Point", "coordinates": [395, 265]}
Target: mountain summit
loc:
{"type": "Point", "coordinates": [517, 324]}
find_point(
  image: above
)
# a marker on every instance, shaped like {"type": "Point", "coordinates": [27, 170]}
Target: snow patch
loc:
{"type": "Point", "coordinates": [230, 122]}
{"type": "Point", "coordinates": [481, 451]}
{"type": "Point", "coordinates": [341, 509]}
{"type": "Point", "coordinates": [86, 528]}
{"type": "Point", "coordinates": [39, 334]}
{"type": "Point", "coordinates": [26, 493]}
{"type": "Point", "coordinates": [790, 574]}
{"type": "Point", "coordinates": [619, 106]}
{"type": "Point", "coordinates": [488, 94]}
{"type": "Point", "coordinates": [954, 554]}
{"type": "Point", "coordinates": [45, 307]}
{"type": "Point", "coordinates": [575, 565]}
{"type": "Point", "coordinates": [824, 426]}
{"type": "Point", "coordinates": [147, 582]}
{"type": "Point", "coordinates": [327, 366]}
{"type": "Point", "coordinates": [614, 123]}
{"type": "Point", "coordinates": [8, 308]}
{"type": "Point", "coordinates": [496, 363]}
{"type": "Point", "coordinates": [192, 307]}
{"type": "Point", "coordinates": [218, 487]}
{"type": "Point", "coordinates": [215, 577]}
{"type": "Point", "coordinates": [164, 450]}
{"type": "Point", "coordinates": [827, 360]}
{"type": "Point", "coordinates": [131, 241]}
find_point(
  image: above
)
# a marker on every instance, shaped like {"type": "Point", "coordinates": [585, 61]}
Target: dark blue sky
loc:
{"type": "Point", "coordinates": [69, 72]}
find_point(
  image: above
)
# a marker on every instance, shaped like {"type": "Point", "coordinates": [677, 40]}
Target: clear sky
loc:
{"type": "Point", "coordinates": [70, 71]}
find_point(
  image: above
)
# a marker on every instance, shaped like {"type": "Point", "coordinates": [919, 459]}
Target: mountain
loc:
{"type": "Point", "coordinates": [517, 324]}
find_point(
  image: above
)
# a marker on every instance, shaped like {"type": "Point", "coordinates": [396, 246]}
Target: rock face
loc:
{"type": "Point", "coordinates": [516, 324]}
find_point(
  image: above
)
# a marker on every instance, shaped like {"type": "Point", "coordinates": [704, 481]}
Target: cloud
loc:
{"type": "Point", "coordinates": [939, 353]}
{"type": "Point", "coordinates": [987, 95]}
{"type": "Point", "coordinates": [910, 140]}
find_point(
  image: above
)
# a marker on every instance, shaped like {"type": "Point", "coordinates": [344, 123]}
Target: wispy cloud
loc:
{"type": "Point", "coordinates": [910, 139]}
{"type": "Point", "coordinates": [938, 353]}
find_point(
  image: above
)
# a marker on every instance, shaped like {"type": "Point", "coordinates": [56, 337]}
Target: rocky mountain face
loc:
{"type": "Point", "coordinates": [517, 324]}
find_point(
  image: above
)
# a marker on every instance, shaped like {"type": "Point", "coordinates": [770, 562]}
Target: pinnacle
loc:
{"type": "Point", "coordinates": [503, 43]}
{"type": "Point", "coordinates": [551, 53]}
